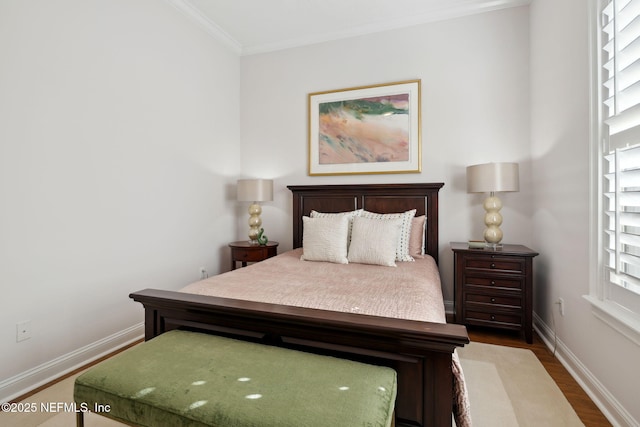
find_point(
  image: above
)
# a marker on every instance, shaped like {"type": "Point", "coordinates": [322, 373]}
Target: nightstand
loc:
{"type": "Point", "coordinates": [246, 252]}
{"type": "Point", "coordinates": [494, 287]}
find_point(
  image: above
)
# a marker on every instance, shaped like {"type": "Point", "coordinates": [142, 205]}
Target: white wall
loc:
{"type": "Point", "coordinates": [475, 98]}
{"type": "Point", "coordinates": [597, 354]}
{"type": "Point", "coordinates": [119, 148]}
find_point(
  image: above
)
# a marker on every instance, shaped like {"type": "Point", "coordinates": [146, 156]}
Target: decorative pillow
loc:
{"type": "Point", "coordinates": [349, 214]}
{"type": "Point", "coordinates": [374, 241]}
{"type": "Point", "coordinates": [402, 250]}
{"type": "Point", "coordinates": [416, 238]}
{"type": "Point", "coordinates": [325, 239]}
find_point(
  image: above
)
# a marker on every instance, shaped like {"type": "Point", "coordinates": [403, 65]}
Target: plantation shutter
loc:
{"type": "Point", "coordinates": [621, 113]}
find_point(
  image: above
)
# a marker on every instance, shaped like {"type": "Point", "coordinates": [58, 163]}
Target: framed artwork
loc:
{"type": "Point", "coordinates": [365, 130]}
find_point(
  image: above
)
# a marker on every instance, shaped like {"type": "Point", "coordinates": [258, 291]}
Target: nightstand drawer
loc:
{"type": "Point", "coordinates": [487, 318]}
{"type": "Point", "coordinates": [492, 300]}
{"type": "Point", "coordinates": [253, 255]}
{"type": "Point", "coordinates": [493, 282]}
{"type": "Point", "coordinates": [245, 252]}
{"type": "Point", "coordinates": [495, 264]}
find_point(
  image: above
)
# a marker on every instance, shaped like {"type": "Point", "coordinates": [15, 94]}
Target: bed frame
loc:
{"type": "Point", "coordinates": [420, 352]}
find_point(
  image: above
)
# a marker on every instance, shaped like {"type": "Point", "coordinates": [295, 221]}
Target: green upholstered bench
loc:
{"type": "Point", "coordinates": [185, 378]}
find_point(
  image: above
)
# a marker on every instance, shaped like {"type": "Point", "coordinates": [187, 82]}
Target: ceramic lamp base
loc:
{"type": "Point", "coordinates": [254, 223]}
{"type": "Point", "coordinates": [492, 220]}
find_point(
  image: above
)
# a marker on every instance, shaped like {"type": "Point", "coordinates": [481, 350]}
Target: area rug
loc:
{"type": "Point", "coordinates": [509, 387]}
{"type": "Point", "coordinates": [53, 413]}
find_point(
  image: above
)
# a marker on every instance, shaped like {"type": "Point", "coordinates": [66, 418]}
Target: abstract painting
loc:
{"type": "Point", "coordinates": [367, 129]}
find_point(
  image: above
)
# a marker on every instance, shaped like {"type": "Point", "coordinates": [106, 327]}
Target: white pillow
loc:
{"type": "Point", "coordinates": [325, 239]}
{"type": "Point", "coordinates": [374, 241]}
{"type": "Point", "coordinates": [402, 250]}
{"type": "Point", "coordinates": [349, 214]}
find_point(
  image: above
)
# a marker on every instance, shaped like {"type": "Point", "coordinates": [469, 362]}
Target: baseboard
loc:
{"type": "Point", "coordinates": [27, 381]}
{"type": "Point", "coordinates": [617, 415]}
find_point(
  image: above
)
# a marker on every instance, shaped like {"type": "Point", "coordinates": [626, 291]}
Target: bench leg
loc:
{"type": "Point", "coordinates": [80, 419]}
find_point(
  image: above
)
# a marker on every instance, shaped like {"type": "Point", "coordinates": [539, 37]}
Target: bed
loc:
{"type": "Point", "coordinates": [422, 352]}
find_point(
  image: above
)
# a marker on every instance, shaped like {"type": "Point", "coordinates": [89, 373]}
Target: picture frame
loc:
{"type": "Point", "coordinates": [366, 130]}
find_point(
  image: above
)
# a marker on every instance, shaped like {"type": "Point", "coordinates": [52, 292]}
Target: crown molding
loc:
{"type": "Point", "coordinates": [193, 13]}
{"type": "Point", "coordinates": [470, 7]}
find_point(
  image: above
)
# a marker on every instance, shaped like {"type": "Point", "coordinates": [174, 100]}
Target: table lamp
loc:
{"type": "Point", "coordinates": [493, 178]}
{"type": "Point", "coordinates": [255, 191]}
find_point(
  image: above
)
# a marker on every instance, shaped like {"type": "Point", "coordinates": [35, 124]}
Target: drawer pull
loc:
{"type": "Point", "coordinates": [493, 317]}
{"type": "Point", "coordinates": [493, 265]}
{"type": "Point", "coordinates": [493, 283]}
{"type": "Point", "coordinates": [493, 300]}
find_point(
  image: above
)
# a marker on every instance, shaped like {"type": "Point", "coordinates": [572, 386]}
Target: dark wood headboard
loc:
{"type": "Point", "coordinates": [380, 198]}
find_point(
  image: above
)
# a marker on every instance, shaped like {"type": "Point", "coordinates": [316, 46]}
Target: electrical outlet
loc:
{"type": "Point", "coordinates": [23, 330]}
{"type": "Point", "coordinates": [560, 303]}
{"type": "Point", "coordinates": [203, 273]}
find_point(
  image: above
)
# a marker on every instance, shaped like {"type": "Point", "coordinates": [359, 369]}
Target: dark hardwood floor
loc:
{"type": "Point", "coordinates": [582, 404]}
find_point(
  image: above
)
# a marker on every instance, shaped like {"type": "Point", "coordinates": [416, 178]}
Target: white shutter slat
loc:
{"type": "Point", "coordinates": [623, 138]}
{"type": "Point", "coordinates": [629, 158]}
{"type": "Point", "coordinates": [630, 74]}
{"type": "Point", "coordinates": [631, 199]}
{"type": "Point", "coordinates": [609, 28]}
{"type": "Point", "coordinates": [630, 219]}
{"type": "Point", "coordinates": [629, 96]}
{"type": "Point", "coordinates": [610, 66]}
{"type": "Point", "coordinates": [608, 12]}
{"type": "Point", "coordinates": [630, 239]}
{"type": "Point", "coordinates": [630, 261]}
{"type": "Point", "coordinates": [629, 179]}
{"type": "Point", "coordinates": [627, 13]}
{"type": "Point", "coordinates": [625, 120]}
{"type": "Point", "coordinates": [626, 43]}
{"type": "Point", "coordinates": [625, 281]}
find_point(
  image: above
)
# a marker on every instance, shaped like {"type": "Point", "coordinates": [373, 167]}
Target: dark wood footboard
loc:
{"type": "Point", "coordinates": [419, 351]}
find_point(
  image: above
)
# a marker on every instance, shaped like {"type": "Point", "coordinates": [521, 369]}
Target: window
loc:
{"type": "Point", "coordinates": [616, 290]}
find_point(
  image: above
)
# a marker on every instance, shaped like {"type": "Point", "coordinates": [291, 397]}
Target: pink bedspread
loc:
{"type": "Point", "coordinates": [409, 291]}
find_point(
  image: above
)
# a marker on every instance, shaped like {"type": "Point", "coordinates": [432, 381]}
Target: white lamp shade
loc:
{"type": "Point", "coordinates": [255, 190]}
{"type": "Point", "coordinates": [493, 177]}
